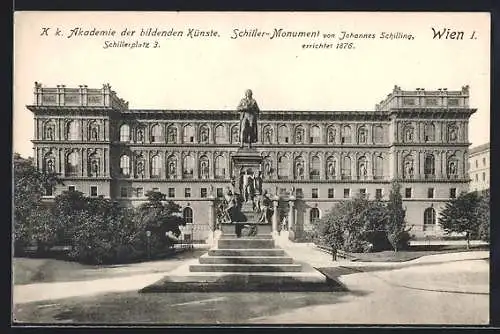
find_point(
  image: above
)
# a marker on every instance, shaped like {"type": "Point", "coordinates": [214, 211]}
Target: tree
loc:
{"type": "Point", "coordinates": [160, 219]}
{"type": "Point", "coordinates": [483, 215]}
{"type": "Point", "coordinates": [460, 216]}
{"type": "Point", "coordinates": [33, 222]}
{"type": "Point", "coordinates": [397, 234]}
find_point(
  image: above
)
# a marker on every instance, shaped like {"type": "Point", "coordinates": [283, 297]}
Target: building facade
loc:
{"type": "Point", "coordinates": [479, 167]}
{"type": "Point", "coordinates": [102, 148]}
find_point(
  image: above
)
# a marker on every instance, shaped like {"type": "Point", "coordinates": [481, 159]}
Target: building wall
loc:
{"type": "Point", "coordinates": [126, 153]}
{"type": "Point", "coordinates": [479, 170]}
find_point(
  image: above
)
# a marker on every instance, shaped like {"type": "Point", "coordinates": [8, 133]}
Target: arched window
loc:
{"type": "Point", "coordinates": [283, 135]}
{"type": "Point", "coordinates": [313, 215]}
{"type": "Point", "coordinates": [378, 172]}
{"type": "Point", "coordinates": [235, 135]}
{"type": "Point", "coordinates": [429, 166]}
{"type": "Point", "coordinates": [346, 168]}
{"type": "Point", "coordinates": [172, 135]}
{"type": "Point", "coordinates": [220, 167]}
{"type": "Point", "coordinates": [156, 134]}
{"type": "Point", "coordinates": [429, 216]}
{"type": "Point", "coordinates": [362, 135]}
{"type": "Point", "coordinates": [172, 167]}
{"type": "Point", "coordinates": [188, 167]}
{"type": "Point", "coordinates": [204, 168]}
{"type": "Point", "coordinates": [73, 130]}
{"type": "Point", "coordinates": [452, 169]}
{"type": "Point", "coordinates": [378, 134]}
{"type": "Point", "coordinates": [408, 169]}
{"type": "Point", "coordinates": [187, 214]}
{"type": "Point", "coordinates": [156, 166]}
{"type": "Point", "coordinates": [188, 134]}
{"type": "Point", "coordinates": [429, 132]}
{"type": "Point", "coordinates": [346, 134]}
{"type": "Point", "coordinates": [314, 168]}
{"type": "Point", "coordinates": [72, 164]}
{"type": "Point", "coordinates": [49, 131]}
{"type": "Point", "coordinates": [283, 168]}
{"type": "Point", "coordinates": [204, 134]}
{"type": "Point", "coordinates": [124, 133]}
{"type": "Point", "coordinates": [362, 168]}
{"type": "Point", "coordinates": [267, 135]}
{"type": "Point", "coordinates": [220, 134]}
{"type": "Point", "coordinates": [125, 165]}
{"type": "Point", "coordinates": [332, 134]}
{"type": "Point", "coordinates": [315, 134]}
{"type": "Point", "coordinates": [299, 135]}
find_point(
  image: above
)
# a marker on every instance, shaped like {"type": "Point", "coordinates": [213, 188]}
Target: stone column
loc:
{"type": "Point", "coordinates": [275, 215]}
{"type": "Point", "coordinates": [211, 213]}
{"type": "Point", "coordinates": [196, 165]}
{"type": "Point", "coordinates": [291, 218]}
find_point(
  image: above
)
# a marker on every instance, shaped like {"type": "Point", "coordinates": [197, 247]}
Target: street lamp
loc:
{"type": "Point", "coordinates": [148, 235]}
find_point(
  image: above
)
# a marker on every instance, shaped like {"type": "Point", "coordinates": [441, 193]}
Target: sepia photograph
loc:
{"type": "Point", "coordinates": [244, 168]}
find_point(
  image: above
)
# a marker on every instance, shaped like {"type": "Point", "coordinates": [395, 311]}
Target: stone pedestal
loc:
{"type": "Point", "coordinates": [245, 159]}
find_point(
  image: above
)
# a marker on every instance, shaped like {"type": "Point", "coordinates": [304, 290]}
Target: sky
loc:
{"type": "Point", "coordinates": [213, 72]}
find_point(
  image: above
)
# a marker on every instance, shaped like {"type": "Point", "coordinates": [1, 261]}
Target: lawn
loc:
{"type": "Point", "coordinates": [413, 253]}
{"type": "Point", "coordinates": [35, 270]}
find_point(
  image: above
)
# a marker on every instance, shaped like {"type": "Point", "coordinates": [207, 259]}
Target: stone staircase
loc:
{"type": "Point", "coordinates": [245, 264]}
{"type": "Point", "coordinates": [238, 255]}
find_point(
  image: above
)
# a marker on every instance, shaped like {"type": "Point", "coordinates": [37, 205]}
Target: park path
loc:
{"type": "Point", "coordinates": [447, 288]}
{"type": "Point", "coordinates": [58, 290]}
{"type": "Point", "coordinates": [131, 277]}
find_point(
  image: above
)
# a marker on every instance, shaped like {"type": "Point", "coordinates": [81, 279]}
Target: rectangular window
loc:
{"type": "Point", "coordinates": [362, 192]}
{"type": "Point", "coordinates": [187, 192]}
{"type": "Point", "coordinates": [220, 192]}
{"type": "Point", "coordinates": [477, 165]}
{"type": "Point", "coordinates": [408, 193]}
{"type": "Point", "coordinates": [299, 193]}
{"type": "Point", "coordinates": [378, 193]}
{"type": "Point", "coordinates": [171, 192]}
{"type": "Point", "coordinates": [331, 193]}
{"type": "Point", "coordinates": [315, 193]}
{"type": "Point", "coordinates": [347, 192]}
{"type": "Point", "coordinates": [453, 192]}
{"type": "Point", "coordinates": [71, 188]}
{"type": "Point", "coordinates": [484, 176]}
{"type": "Point", "coordinates": [430, 193]}
{"type": "Point", "coordinates": [93, 191]}
{"type": "Point", "coordinates": [123, 192]}
{"type": "Point", "coordinates": [203, 192]}
{"type": "Point", "coordinates": [484, 161]}
{"type": "Point", "coordinates": [191, 139]}
{"type": "Point", "coordinates": [140, 192]}
{"type": "Point", "coordinates": [48, 191]}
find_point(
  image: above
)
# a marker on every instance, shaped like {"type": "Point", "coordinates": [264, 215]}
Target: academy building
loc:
{"type": "Point", "coordinates": [101, 147]}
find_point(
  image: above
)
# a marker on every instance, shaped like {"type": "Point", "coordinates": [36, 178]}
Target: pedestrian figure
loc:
{"type": "Point", "coordinates": [334, 252]}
